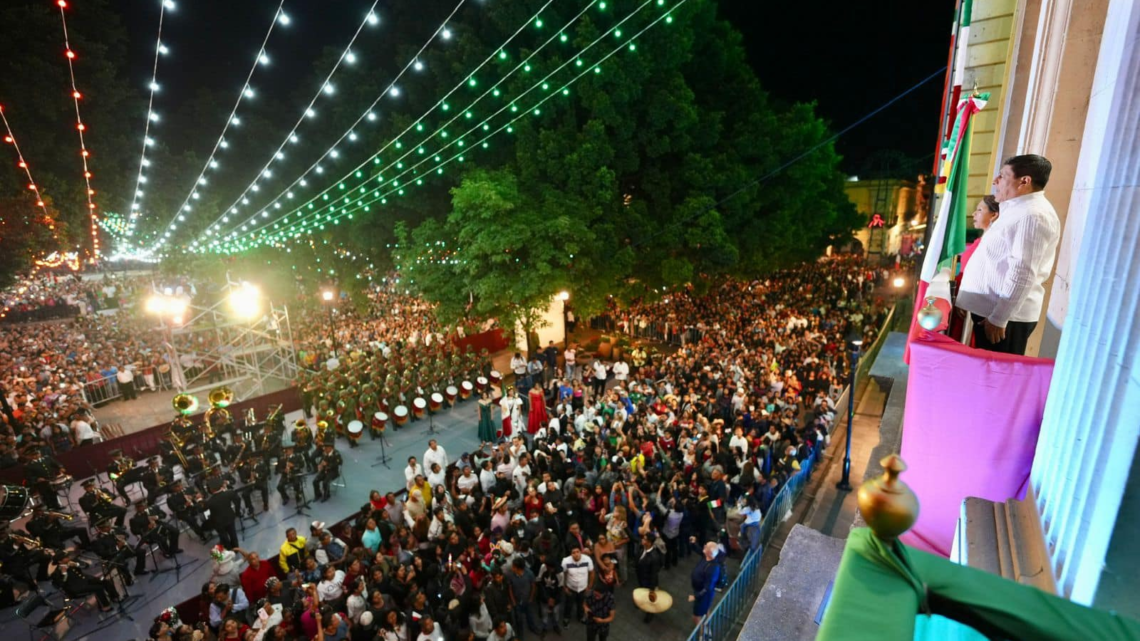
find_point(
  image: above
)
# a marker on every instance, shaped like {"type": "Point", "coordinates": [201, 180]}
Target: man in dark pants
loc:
{"type": "Point", "coordinates": [223, 518]}
{"type": "Point", "coordinates": [1003, 285]}
{"type": "Point", "coordinates": [98, 505]}
{"type": "Point", "coordinates": [328, 468]}
{"type": "Point", "coordinates": [111, 546]}
{"type": "Point", "coordinates": [40, 473]}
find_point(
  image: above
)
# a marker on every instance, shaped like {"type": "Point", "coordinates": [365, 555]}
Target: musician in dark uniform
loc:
{"type": "Point", "coordinates": [47, 527]}
{"type": "Point", "coordinates": [74, 583]}
{"type": "Point", "coordinates": [99, 505]}
{"type": "Point", "coordinates": [124, 472]}
{"type": "Point", "coordinates": [254, 473]}
{"type": "Point", "coordinates": [111, 546]}
{"type": "Point", "coordinates": [40, 473]}
{"type": "Point", "coordinates": [268, 442]}
{"type": "Point", "coordinates": [292, 469]}
{"type": "Point", "coordinates": [149, 526]}
{"type": "Point", "coordinates": [223, 516]}
{"type": "Point", "coordinates": [22, 563]}
{"type": "Point", "coordinates": [328, 468]}
{"type": "Point", "coordinates": [187, 507]}
{"type": "Point", "coordinates": [156, 479]}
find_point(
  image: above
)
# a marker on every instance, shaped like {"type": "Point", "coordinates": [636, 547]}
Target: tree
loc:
{"type": "Point", "coordinates": [24, 235]}
{"type": "Point", "coordinates": [645, 170]}
{"type": "Point", "coordinates": [500, 253]}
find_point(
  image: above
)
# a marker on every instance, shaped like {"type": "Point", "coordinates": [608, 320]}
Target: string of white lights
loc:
{"type": "Point", "coordinates": [325, 88]}
{"type": "Point", "coordinates": [151, 116]}
{"type": "Point", "coordinates": [262, 58]}
{"type": "Point", "coordinates": [33, 186]}
{"type": "Point", "coordinates": [459, 140]}
{"type": "Point", "coordinates": [468, 80]}
{"type": "Point", "coordinates": [459, 156]}
{"type": "Point", "coordinates": [83, 152]}
{"type": "Point", "coordinates": [392, 89]}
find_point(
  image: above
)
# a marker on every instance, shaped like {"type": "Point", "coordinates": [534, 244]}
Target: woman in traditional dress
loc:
{"type": "Point", "coordinates": [511, 405]}
{"type": "Point", "coordinates": [486, 423]}
{"type": "Point", "coordinates": [537, 417]}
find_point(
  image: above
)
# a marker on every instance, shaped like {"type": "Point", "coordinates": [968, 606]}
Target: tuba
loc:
{"type": "Point", "coordinates": [322, 428]}
{"type": "Point", "coordinates": [184, 404]}
{"type": "Point", "coordinates": [220, 398]}
{"type": "Point", "coordinates": [301, 434]}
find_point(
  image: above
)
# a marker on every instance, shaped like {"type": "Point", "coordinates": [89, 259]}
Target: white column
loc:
{"type": "Point", "coordinates": [1092, 419]}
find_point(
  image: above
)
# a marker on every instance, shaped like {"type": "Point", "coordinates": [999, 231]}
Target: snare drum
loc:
{"type": "Point", "coordinates": [465, 389]}
{"type": "Point", "coordinates": [480, 384]}
{"type": "Point", "coordinates": [496, 378]}
{"type": "Point", "coordinates": [436, 401]}
{"type": "Point", "coordinates": [450, 393]}
{"type": "Point", "coordinates": [355, 430]}
{"type": "Point", "coordinates": [384, 405]}
{"type": "Point", "coordinates": [418, 406]}
{"type": "Point", "coordinates": [62, 482]}
{"type": "Point", "coordinates": [379, 421]}
{"type": "Point", "coordinates": [400, 416]}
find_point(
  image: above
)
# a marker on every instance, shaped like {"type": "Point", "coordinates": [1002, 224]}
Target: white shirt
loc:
{"type": "Point", "coordinates": [599, 370]}
{"type": "Point", "coordinates": [438, 455]}
{"type": "Point", "coordinates": [466, 482]}
{"type": "Point", "coordinates": [621, 370]}
{"type": "Point", "coordinates": [1004, 280]}
{"type": "Point", "coordinates": [125, 375]}
{"type": "Point", "coordinates": [331, 590]}
{"type": "Point", "coordinates": [82, 430]}
{"type": "Point", "coordinates": [576, 574]}
{"type": "Point", "coordinates": [518, 366]}
{"type": "Point", "coordinates": [411, 472]}
{"type": "Point", "coordinates": [487, 480]}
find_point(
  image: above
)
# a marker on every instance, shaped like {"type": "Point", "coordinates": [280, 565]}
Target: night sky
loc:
{"type": "Point", "coordinates": [848, 58]}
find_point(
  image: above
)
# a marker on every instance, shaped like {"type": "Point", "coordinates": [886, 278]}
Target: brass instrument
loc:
{"type": "Point", "coordinates": [237, 460]}
{"type": "Point", "coordinates": [274, 414]}
{"type": "Point", "coordinates": [103, 496]}
{"type": "Point", "coordinates": [177, 442]}
{"type": "Point", "coordinates": [250, 416]}
{"type": "Point", "coordinates": [31, 544]}
{"type": "Point", "coordinates": [60, 515]}
{"type": "Point", "coordinates": [184, 404]}
{"type": "Point", "coordinates": [301, 434]}
{"type": "Point", "coordinates": [219, 398]}
{"type": "Point", "coordinates": [322, 428]}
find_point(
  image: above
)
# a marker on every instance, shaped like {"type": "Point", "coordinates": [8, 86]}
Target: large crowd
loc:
{"type": "Point", "coordinates": [602, 487]}
{"type": "Point", "coordinates": [599, 477]}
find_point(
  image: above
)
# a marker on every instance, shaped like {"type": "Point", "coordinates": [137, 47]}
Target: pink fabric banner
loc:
{"type": "Point", "coordinates": [969, 429]}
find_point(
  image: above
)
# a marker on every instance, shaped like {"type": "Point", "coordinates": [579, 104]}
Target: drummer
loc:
{"type": "Point", "coordinates": [40, 473]}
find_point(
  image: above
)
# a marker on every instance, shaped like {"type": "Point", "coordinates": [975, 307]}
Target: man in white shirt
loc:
{"type": "Point", "coordinates": [412, 470]}
{"type": "Point", "coordinates": [126, 378]}
{"type": "Point", "coordinates": [621, 371]}
{"type": "Point", "coordinates": [82, 432]}
{"type": "Point", "coordinates": [435, 454]}
{"type": "Point", "coordinates": [577, 577]}
{"type": "Point", "coordinates": [1003, 285]}
{"type": "Point", "coordinates": [571, 358]}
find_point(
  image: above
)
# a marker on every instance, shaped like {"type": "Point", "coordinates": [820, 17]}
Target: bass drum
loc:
{"type": "Point", "coordinates": [14, 501]}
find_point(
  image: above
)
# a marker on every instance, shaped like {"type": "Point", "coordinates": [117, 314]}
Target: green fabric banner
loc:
{"type": "Point", "coordinates": [881, 589]}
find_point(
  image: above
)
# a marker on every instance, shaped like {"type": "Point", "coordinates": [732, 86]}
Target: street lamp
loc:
{"type": "Point", "coordinates": [564, 296]}
{"type": "Point", "coordinates": [327, 296]}
{"type": "Point", "coordinates": [854, 343]}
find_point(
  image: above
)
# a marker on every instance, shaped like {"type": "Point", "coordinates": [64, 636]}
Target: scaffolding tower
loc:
{"type": "Point", "coordinates": [240, 340]}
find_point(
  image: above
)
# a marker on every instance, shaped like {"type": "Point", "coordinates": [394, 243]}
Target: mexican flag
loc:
{"type": "Point", "coordinates": [948, 238]}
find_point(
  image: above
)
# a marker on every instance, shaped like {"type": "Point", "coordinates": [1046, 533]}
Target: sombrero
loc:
{"type": "Point", "coordinates": [652, 601]}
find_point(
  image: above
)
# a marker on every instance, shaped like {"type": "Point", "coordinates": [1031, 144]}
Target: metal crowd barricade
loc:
{"type": "Point", "coordinates": [738, 599]}
{"type": "Point", "coordinates": [102, 390]}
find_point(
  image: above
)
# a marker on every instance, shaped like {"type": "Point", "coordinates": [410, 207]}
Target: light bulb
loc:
{"type": "Point", "coordinates": [235, 120]}
{"type": "Point", "coordinates": [372, 116]}
{"type": "Point", "coordinates": [294, 139]}
{"type": "Point", "coordinates": [248, 92]}
{"type": "Point", "coordinates": [169, 4]}
{"type": "Point", "coordinates": [154, 86]}
{"type": "Point", "coordinates": [394, 91]}
{"type": "Point", "coordinates": [263, 59]}
{"type": "Point", "coordinates": [373, 19]}
{"type": "Point", "coordinates": [446, 33]}
{"type": "Point", "coordinates": [163, 50]}
{"type": "Point", "coordinates": [153, 117]}
{"type": "Point", "coordinates": [213, 164]}
{"type": "Point", "coordinates": [310, 113]}
{"type": "Point", "coordinates": [329, 89]}
{"type": "Point", "coordinates": [417, 65]}
{"type": "Point", "coordinates": [283, 18]}
{"type": "Point", "coordinates": [350, 58]}
{"type": "Point", "coordinates": [279, 156]}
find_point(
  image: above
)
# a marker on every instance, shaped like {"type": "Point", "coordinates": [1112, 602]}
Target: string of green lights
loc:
{"type": "Point", "coordinates": [442, 104]}
{"type": "Point", "coordinates": [363, 203]}
{"type": "Point", "coordinates": [315, 214]}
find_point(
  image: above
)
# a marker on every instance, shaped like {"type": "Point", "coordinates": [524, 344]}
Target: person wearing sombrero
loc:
{"type": "Point", "coordinates": [647, 597]}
